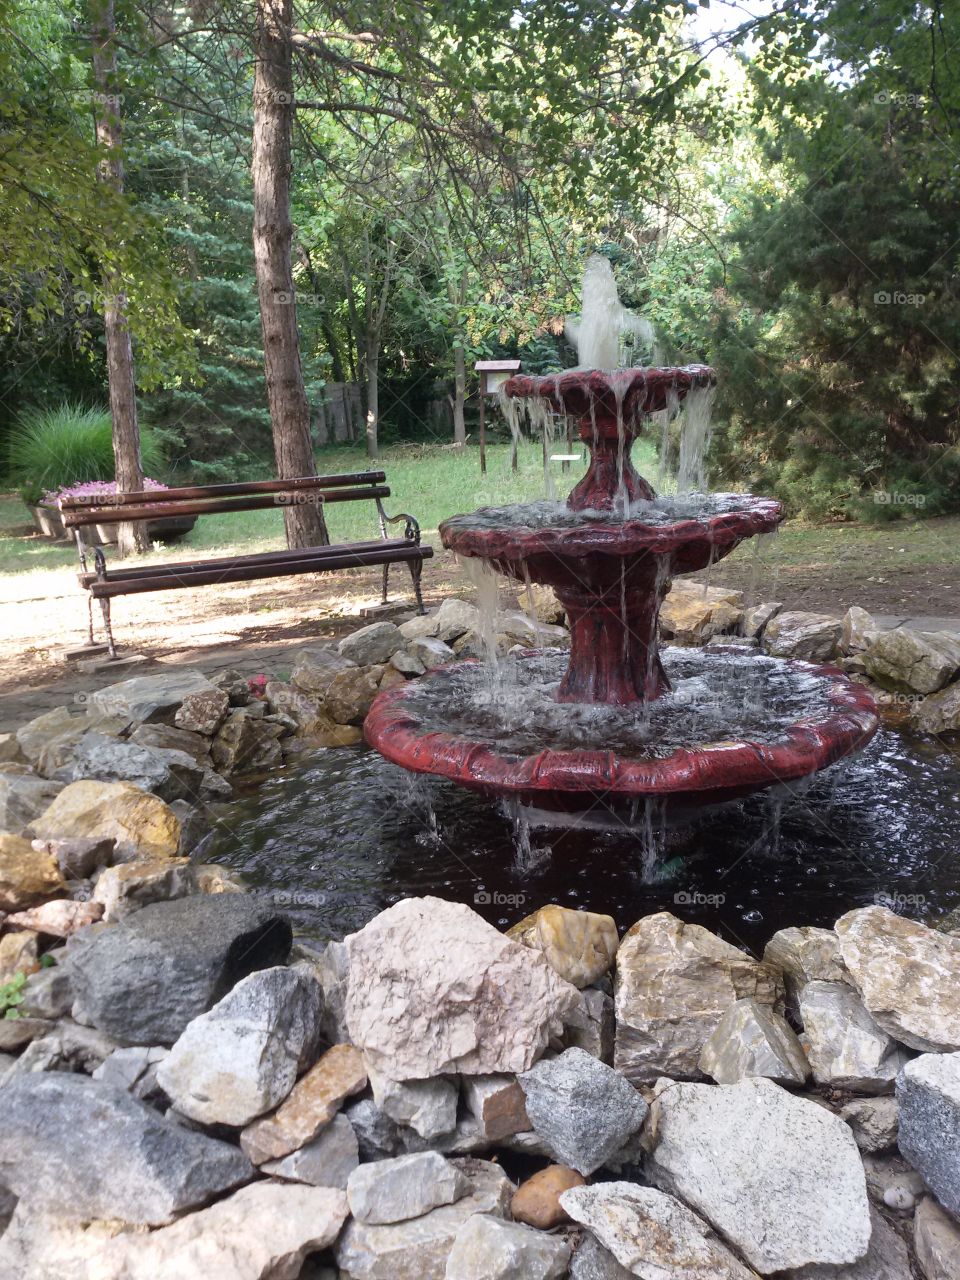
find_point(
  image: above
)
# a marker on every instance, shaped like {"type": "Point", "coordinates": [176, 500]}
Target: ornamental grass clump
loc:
{"type": "Point", "coordinates": [56, 448]}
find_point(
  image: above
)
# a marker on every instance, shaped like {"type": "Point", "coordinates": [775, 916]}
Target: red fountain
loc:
{"type": "Point", "coordinates": [610, 555]}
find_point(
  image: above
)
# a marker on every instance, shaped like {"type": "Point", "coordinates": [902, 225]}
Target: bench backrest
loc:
{"type": "Point", "coordinates": [208, 499]}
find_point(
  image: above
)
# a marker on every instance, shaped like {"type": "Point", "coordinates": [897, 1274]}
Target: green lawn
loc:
{"type": "Point", "coordinates": [434, 482]}
{"type": "Point", "coordinates": [428, 481]}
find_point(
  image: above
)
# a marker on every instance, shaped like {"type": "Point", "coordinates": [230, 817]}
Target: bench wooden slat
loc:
{"type": "Point", "coordinates": [205, 506]}
{"type": "Point", "coordinates": [143, 497]}
{"type": "Point", "coordinates": [207, 574]}
{"type": "Point", "coordinates": [122, 573]}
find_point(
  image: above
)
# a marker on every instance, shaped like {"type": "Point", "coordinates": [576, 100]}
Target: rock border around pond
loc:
{"type": "Point", "coordinates": [274, 1111]}
{"type": "Point", "coordinates": [162, 1007]}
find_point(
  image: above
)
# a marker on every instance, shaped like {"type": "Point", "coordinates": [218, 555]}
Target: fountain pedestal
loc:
{"type": "Point", "coordinates": [614, 647]}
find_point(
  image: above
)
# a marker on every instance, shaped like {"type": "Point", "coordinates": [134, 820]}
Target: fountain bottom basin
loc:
{"type": "Point", "coordinates": [728, 728]}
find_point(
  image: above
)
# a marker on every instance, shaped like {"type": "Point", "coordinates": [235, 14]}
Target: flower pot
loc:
{"type": "Point", "coordinates": [49, 522]}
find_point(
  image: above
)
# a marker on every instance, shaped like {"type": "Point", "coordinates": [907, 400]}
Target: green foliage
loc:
{"type": "Point", "coordinates": [69, 444]}
{"type": "Point", "coordinates": [11, 996]}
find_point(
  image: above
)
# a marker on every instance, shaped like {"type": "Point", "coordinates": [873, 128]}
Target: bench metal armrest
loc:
{"type": "Point", "coordinates": [411, 529]}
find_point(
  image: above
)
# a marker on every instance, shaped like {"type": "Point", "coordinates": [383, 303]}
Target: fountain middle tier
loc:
{"type": "Point", "coordinates": [611, 574]}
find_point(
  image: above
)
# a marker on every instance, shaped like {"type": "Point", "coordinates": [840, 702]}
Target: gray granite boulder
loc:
{"type": "Point", "coordinates": [144, 979]}
{"type": "Point", "coordinates": [928, 1091]}
{"type": "Point", "coordinates": [936, 1238]}
{"type": "Point", "coordinates": [887, 1259]}
{"type": "Point", "coordinates": [404, 1187]}
{"type": "Point", "coordinates": [172, 775]}
{"type": "Point", "coordinates": [583, 1109]}
{"type": "Point", "coordinates": [778, 1176]}
{"type": "Point", "coordinates": [874, 1121]}
{"type": "Point", "coordinates": [591, 1261]}
{"type": "Point", "coordinates": [243, 1057]}
{"type": "Point", "coordinates": [23, 797]}
{"type": "Point", "coordinates": [82, 1150]}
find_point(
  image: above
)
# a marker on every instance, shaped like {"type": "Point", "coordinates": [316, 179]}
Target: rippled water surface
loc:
{"type": "Point", "coordinates": [344, 834]}
{"type": "Point", "coordinates": [659, 512]}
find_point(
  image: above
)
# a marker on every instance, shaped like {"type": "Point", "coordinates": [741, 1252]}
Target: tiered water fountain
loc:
{"type": "Point", "coordinates": [616, 722]}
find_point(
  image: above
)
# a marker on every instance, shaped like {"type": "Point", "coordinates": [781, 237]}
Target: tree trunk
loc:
{"type": "Point", "coordinates": [273, 263]}
{"type": "Point", "coordinates": [131, 538]}
{"type": "Point", "coordinates": [459, 394]}
{"type": "Point", "coordinates": [372, 370]}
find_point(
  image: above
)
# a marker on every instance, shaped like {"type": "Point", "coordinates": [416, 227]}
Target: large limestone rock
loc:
{"type": "Point", "coordinates": [203, 711]}
{"type": "Point", "coordinates": [805, 954]}
{"type": "Point", "coordinates": [172, 775]}
{"type": "Point", "coordinates": [126, 888]}
{"type": "Point", "coordinates": [139, 822]}
{"type": "Point", "coordinates": [404, 1187]}
{"type": "Point", "coordinates": [243, 1057]}
{"type": "Point", "coordinates": [145, 979]}
{"type": "Point", "coordinates": [418, 1248]}
{"type": "Point", "coordinates": [592, 1027]}
{"type": "Point", "coordinates": [27, 875]}
{"type": "Point", "coordinates": [434, 989]}
{"type": "Point", "coordinates": [674, 983]}
{"type": "Point", "coordinates": [585, 1111]}
{"type": "Point", "coordinates": [246, 743]}
{"type": "Point", "coordinates": [376, 643]}
{"type": "Point", "coordinates": [261, 1232]}
{"type": "Point", "coordinates": [82, 1150]}
{"type": "Point", "coordinates": [327, 1161]}
{"type": "Point", "coordinates": [455, 618]}
{"type": "Point", "coordinates": [431, 652]}
{"type": "Point", "coordinates": [315, 668]}
{"type": "Point", "coordinates": [350, 694]}
{"type": "Point", "coordinates": [753, 1040]}
{"type": "Point", "coordinates": [756, 618]}
{"type": "Point", "coordinates": [149, 698]}
{"type": "Point", "coordinates": [651, 1234]}
{"type": "Point", "coordinates": [487, 1248]}
{"type": "Point", "coordinates": [811, 637]}
{"type": "Point", "coordinates": [165, 737]}
{"type": "Point", "coordinates": [846, 1048]}
{"type": "Point", "coordinates": [692, 612]}
{"type": "Point", "coordinates": [928, 1091]}
{"type": "Point", "coordinates": [778, 1176]}
{"type": "Point", "coordinates": [886, 1259]}
{"type": "Point", "coordinates": [908, 976]}
{"type": "Point", "coordinates": [579, 945]}
{"type": "Point", "coordinates": [913, 661]}
{"type": "Point", "coordinates": [938, 712]}
{"type": "Point", "coordinates": [936, 1238]}
{"type": "Point", "coordinates": [309, 1107]}
{"type": "Point", "coordinates": [23, 797]}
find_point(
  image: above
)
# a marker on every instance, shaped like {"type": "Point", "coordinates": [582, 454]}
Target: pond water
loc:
{"type": "Point", "coordinates": [344, 834]}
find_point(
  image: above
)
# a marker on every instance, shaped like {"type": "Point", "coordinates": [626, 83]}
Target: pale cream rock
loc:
{"type": "Point", "coordinates": [753, 1040]}
{"type": "Point", "coordinates": [433, 989]}
{"type": "Point", "coordinates": [908, 976]}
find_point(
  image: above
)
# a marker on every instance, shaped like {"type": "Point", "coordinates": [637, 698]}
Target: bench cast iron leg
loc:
{"type": "Point", "coordinates": [416, 568]}
{"type": "Point", "coordinates": [386, 573]}
{"type": "Point", "coordinates": [105, 610]}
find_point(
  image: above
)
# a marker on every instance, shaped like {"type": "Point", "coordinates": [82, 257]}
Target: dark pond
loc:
{"type": "Point", "coordinates": [345, 834]}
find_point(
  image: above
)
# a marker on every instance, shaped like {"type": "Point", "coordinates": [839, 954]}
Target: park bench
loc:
{"type": "Point", "coordinates": [102, 584]}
